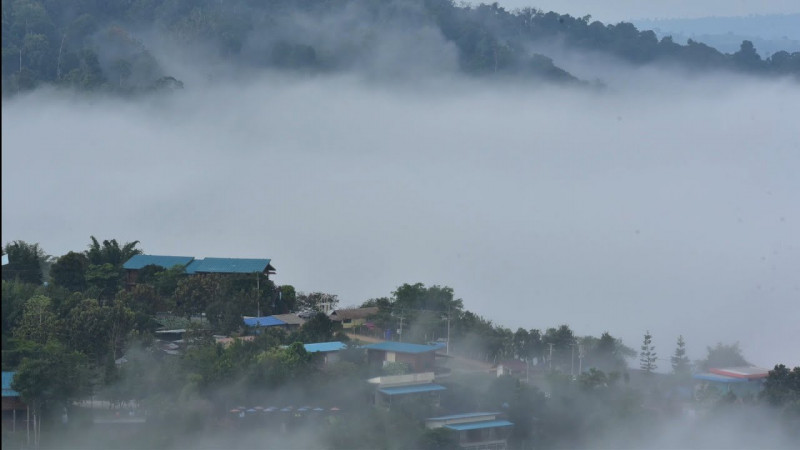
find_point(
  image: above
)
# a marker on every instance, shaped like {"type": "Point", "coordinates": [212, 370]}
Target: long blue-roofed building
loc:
{"type": "Point", "coordinates": [195, 266]}
{"type": "Point", "coordinates": [475, 430]}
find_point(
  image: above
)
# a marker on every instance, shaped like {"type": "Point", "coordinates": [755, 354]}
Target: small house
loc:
{"type": "Point", "coordinates": [420, 358]}
{"type": "Point", "coordinates": [476, 430]}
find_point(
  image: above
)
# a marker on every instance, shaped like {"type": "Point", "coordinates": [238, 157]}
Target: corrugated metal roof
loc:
{"type": "Point", "coordinates": [229, 265]}
{"type": "Point", "coordinates": [268, 321]}
{"type": "Point", "coordinates": [140, 261]}
{"type": "Point", "coordinates": [8, 377]}
{"type": "Point", "coordinates": [479, 425]}
{"type": "Point", "coordinates": [401, 347]}
{"type": "Point", "coordinates": [465, 416]}
{"type": "Point", "coordinates": [291, 319]}
{"type": "Point", "coordinates": [412, 389]}
{"type": "Point", "coordinates": [325, 347]}
{"type": "Point", "coordinates": [718, 378]}
{"type": "Point", "coordinates": [741, 372]}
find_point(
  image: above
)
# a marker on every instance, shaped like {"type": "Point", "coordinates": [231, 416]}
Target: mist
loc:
{"type": "Point", "coordinates": [665, 201]}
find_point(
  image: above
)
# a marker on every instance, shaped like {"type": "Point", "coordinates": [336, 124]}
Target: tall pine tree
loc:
{"type": "Point", "coordinates": [680, 362]}
{"type": "Point", "coordinates": [647, 357]}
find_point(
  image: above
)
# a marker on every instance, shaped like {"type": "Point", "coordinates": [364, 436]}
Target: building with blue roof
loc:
{"type": "Point", "coordinates": [420, 358]}
{"type": "Point", "coordinates": [230, 265]}
{"type": "Point", "coordinates": [325, 352]}
{"type": "Point", "coordinates": [13, 406]}
{"type": "Point", "coordinates": [476, 430]}
{"type": "Point", "coordinates": [263, 322]}
{"type": "Point", "coordinates": [194, 266]}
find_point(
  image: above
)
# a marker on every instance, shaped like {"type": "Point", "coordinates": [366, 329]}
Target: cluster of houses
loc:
{"type": "Point", "coordinates": [421, 386]}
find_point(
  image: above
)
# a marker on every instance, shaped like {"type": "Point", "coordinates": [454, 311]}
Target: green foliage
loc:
{"type": "Point", "coordinates": [51, 377]}
{"type": "Point", "coordinates": [438, 439]}
{"type": "Point", "coordinates": [723, 355]}
{"type": "Point", "coordinates": [25, 262]}
{"type": "Point", "coordinates": [39, 322]}
{"type": "Point", "coordinates": [782, 389]}
{"type": "Point", "coordinates": [69, 271]}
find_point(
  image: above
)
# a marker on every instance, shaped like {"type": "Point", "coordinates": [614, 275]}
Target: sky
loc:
{"type": "Point", "coordinates": [618, 10]}
{"type": "Point", "coordinates": [664, 203]}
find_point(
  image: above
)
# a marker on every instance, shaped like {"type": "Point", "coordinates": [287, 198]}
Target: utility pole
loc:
{"type": "Point", "coordinates": [447, 317]}
{"type": "Point", "coordinates": [550, 360]}
{"type": "Point", "coordinates": [258, 291]}
{"type": "Point", "coordinates": [400, 332]}
{"type": "Point", "coordinates": [572, 360]}
{"type": "Point", "coordinates": [580, 358]}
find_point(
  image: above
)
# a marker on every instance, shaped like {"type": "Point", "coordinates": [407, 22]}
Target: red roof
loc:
{"type": "Point", "coordinates": [746, 372]}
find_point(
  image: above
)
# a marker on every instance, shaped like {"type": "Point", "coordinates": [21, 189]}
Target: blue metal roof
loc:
{"type": "Point", "coordinates": [413, 389]}
{"type": "Point", "coordinates": [479, 425]}
{"type": "Point", "coordinates": [465, 416]}
{"type": "Point", "coordinates": [8, 377]}
{"type": "Point", "coordinates": [167, 262]}
{"type": "Point", "coordinates": [268, 321]}
{"type": "Point", "coordinates": [325, 347]}
{"type": "Point", "coordinates": [401, 347]}
{"type": "Point", "coordinates": [718, 378]}
{"type": "Point", "coordinates": [229, 265]}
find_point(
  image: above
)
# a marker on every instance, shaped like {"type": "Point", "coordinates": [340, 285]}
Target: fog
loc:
{"type": "Point", "coordinates": [665, 201]}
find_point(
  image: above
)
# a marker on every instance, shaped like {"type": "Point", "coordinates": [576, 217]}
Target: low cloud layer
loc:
{"type": "Point", "coordinates": [663, 202]}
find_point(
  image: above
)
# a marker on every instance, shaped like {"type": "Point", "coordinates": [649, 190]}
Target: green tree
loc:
{"type": "Point", "coordinates": [319, 328]}
{"type": "Point", "coordinates": [69, 271]}
{"type": "Point", "coordinates": [648, 356]}
{"type": "Point", "coordinates": [782, 389]}
{"type": "Point", "coordinates": [26, 262]}
{"type": "Point", "coordinates": [103, 279]}
{"type": "Point", "coordinates": [316, 301]}
{"type": "Point", "coordinates": [110, 252]}
{"type": "Point", "coordinates": [723, 355]}
{"type": "Point", "coordinates": [680, 362]}
{"type": "Point", "coordinates": [51, 378]}
{"type": "Point", "coordinates": [438, 439]}
{"type": "Point", "coordinates": [39, 322]}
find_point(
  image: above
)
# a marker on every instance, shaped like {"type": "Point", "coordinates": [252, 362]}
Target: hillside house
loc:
{"type": "Point", "coordinates": [420, 358]}
{"type": "Point", "coordinates": [740, 381]}
{"type": "Point", "coordinates": [475, 431]}
{"type": "Point", "coordinates": [193, 266]}
{"type": "Point", "coordinates": [325, 352]}
{"type": "Point", "coordinates": [14, 409]}
{"type": "Point", "coordinates": [417, 388]}
{"type": "Point", "coordinates": [353, 317]}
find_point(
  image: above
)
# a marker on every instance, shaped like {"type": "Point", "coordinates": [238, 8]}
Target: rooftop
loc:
{"type": "Point", "coordinates": [268, 321]}
{"type": "Point", "coordinates": [325, 347]}
{"type": "Point", "coordinates": [354, 313]}
{"type": "Point", "coordinates": [229, 265]}
{"type": "Point", "coordinates": [401, 347]}
{"type": "Point", "coordinates": [464, 416]}
{"type": "Point", "coordinates": [718, 378]}
{"type": "Point", "coordinates": [291, 319]}
{"type": "Point", "coordinates": [749, 372]}
{"type": "Point", "coordinates": [8, 377]}
{"type": "Point", "coordinates": [141, 261]}
{"type": "Point", "coordinates": [479, 425]}
{"type": "Point", "coordinates": [412, 389]}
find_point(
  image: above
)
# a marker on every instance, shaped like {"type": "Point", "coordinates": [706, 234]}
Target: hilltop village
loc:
{"type": "Point", "coordinates": [115, 348]}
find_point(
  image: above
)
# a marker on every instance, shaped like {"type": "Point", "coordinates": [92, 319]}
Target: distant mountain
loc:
{"type": "Point", "coordinates": [769, 33]}
{"type": "Point", "coordinates": [130, 46]}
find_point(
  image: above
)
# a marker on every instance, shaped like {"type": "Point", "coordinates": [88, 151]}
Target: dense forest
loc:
{"type": "Point", "coordinates": [72, 331]}
{"type": "Point", "coordinates": [131, 45]}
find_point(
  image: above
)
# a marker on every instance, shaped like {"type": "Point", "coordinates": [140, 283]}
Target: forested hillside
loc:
{"type": "Point", "coordinates": [120, 45]}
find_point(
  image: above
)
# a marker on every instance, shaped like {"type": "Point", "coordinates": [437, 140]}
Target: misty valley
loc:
{"type": "Point", "coordinates": [405, 224]}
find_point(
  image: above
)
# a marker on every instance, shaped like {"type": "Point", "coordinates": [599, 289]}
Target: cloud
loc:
{"type": "Point", "coordinates": [665, 202]}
